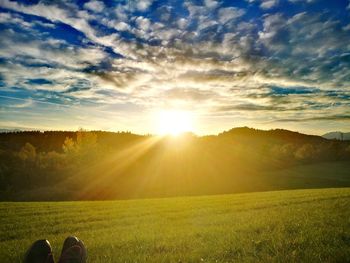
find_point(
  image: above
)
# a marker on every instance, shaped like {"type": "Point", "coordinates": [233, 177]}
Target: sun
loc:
{"type": "Point", "coordinates": [174, 122]}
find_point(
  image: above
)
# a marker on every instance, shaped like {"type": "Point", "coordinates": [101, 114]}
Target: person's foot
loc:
{"type": "Point", "coordinates": [39, 252]}
{"type": "Point", "coordinates": [73, 251]}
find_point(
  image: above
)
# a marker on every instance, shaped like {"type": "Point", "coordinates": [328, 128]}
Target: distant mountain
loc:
{"type": "Point", "coordinates": [16, 129]}
{"type": "Point", "coordinates": [345, 136]}
{"type": "Point", "coordinates": [10, 130]}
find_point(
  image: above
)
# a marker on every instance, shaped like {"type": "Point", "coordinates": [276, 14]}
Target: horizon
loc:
{"type": "Point", "coordinates": [167, 67]}
{"type": "Point", "coordinates": [5, 130]}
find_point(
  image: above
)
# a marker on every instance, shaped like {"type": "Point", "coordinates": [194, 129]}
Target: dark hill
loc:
{"type": "Point", "coordinates": [276, 135]}
{"type": "Point", "coordinates": [59, 165]}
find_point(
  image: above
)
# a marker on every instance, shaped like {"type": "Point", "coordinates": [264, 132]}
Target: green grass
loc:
{"type": "Point", "coordinates": [280, 226]}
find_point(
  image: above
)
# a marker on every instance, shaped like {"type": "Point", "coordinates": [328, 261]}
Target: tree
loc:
{"type": "Point", "coordinates": [86, 140]}
{"type": "Point", "coordinates": [305, 153]}
{"type": "Point", "coordinates": [69, 146]}
{"type": "Point", "coordinates": [81, 150]}
{"type": "Point", "coordinates": [27, 153]}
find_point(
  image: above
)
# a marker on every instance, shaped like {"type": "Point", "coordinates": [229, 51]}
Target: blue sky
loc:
{"type": "Point", "coordinates": [112, 65]}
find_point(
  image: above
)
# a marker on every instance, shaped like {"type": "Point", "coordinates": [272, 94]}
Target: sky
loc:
{"type": "Point", "coordinates": [116, 65]}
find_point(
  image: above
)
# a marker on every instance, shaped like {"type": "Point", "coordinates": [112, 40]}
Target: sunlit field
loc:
{"type": "Point", "coordinates": [280, 226]}
{"type": "Point", "coordinates": [175, 131]}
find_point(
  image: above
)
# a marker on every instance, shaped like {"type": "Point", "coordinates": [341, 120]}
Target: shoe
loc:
{"type": "Point", "coordinates": [73, 251]}
{"type": "Point", "coordinates": [39, 252]}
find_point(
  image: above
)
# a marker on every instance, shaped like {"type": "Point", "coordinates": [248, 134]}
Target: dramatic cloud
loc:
{"type": "Point", "coordinates": [255, 62]}
{"type": "Point", "coordinates": [95, 6]}
{"type": "Point", "coordinates": [269, 4]}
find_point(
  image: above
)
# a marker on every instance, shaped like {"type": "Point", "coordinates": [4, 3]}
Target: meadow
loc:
{"type": "Point", "coordinates": [278, 226]}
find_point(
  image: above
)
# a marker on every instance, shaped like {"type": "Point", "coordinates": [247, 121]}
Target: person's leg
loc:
{"type": "Point", "coordinates": [73, 251]}
{"type": "Point", "coordinates": [39, 252]}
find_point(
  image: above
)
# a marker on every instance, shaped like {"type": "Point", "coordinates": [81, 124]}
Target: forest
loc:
{"type": "Point", "coordinates": [98, 165]}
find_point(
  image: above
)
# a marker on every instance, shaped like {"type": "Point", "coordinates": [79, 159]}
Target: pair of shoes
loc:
{"type": "Point", "coordinates": [39, 252]}
{"type": "Point", "coordinates": [73, 251]}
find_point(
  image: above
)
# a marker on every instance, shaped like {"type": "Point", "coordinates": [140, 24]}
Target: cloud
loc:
{"type": "Point", "coordinates": [249, 107]}
{"type": "Point", "coordinates": [50, 52]}
{"type": "Point", "coordinates": [320, 118]}
{"type": "Point", "coordinates": [143, 23]}
{"type": "Point", "coordinates": [303, 1]}
{"type": "Point", "coordinates": [211, 4]}
{"type": "Point", "coordinates": [143, 5]}
{"type": "Point", "coordinates": [79, 85]}
{"type": "Point", "coordinates": [121, 26]}
{"type": "Point", "coordinates": [182, 23]}
{"type": "Point", "coordinates": [275, 34]}
{"type": "Point", "coordinates": [229, 13]}
{"type": "Point", "coordinates": [267, 4]}
{"type": "Point", "coordinates": [189, 94]}
{"type": "Point", "coordinates": [95, 6]}
{"type": "Point", "coordinates": [26, 103]}
{"type": "Point", "coordinates": [228, 57]}
{"type": "Point", "coordinates": [52, 13]}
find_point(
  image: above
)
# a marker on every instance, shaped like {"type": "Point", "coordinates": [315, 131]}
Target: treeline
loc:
{"type": "Point", "coordinates": [105, 165]}
{"type": "Point", "coordinates": [53, 140]}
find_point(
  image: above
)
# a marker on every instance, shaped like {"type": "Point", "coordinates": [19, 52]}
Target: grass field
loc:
{"type": "Point", "coordinates": [280, 226]}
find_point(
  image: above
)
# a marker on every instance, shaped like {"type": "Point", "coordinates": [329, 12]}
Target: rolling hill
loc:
{"type": "Point", "coordinates": [103, 165]}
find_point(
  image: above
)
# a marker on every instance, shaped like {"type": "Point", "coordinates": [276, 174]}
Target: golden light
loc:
{"type": "Point", "coordinates": [174, 122]}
